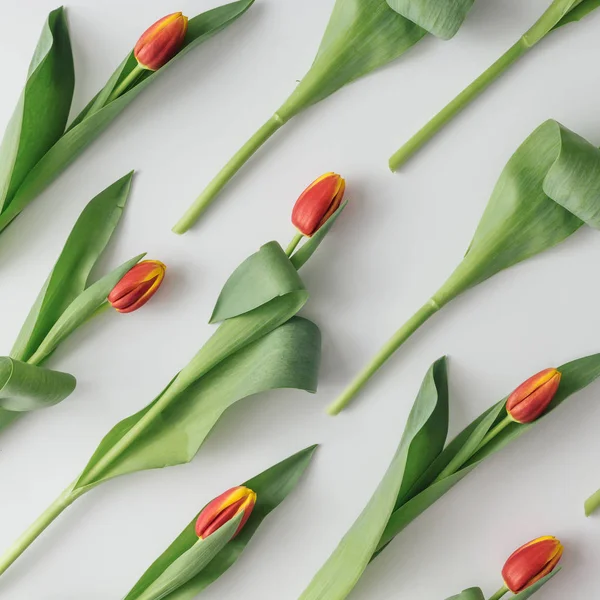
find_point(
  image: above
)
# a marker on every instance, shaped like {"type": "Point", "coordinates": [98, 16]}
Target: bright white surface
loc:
{"type": "Point", "coordinates": [400, 237]}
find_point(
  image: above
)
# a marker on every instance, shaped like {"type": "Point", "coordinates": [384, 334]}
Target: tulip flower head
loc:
{"type": "Point", "coordinates": [224, 508]}
{"type": "Point", "coordinates": [529, 401]}
{"type": "Point", "coordinates": [531, 562]}
{"type": "Point", "coordinates": [161, 41]}
{"type": "Point", "coordinates": [137, 286]}
{"type": "Point", "coordinates": [317, 203]}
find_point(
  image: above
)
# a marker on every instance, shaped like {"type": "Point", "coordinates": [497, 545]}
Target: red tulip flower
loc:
{"type": "Point", "coordinates": [531, 562]}
{"type": "Point", "coordinates": [161, 42]}
{"type": "Point", "coordinates": [224, 508]}
{"type": "Point", "coordinates": [530, 400]}
{"type": "Point", "coordinates": [317, 203]}
{"type": "Point", "coordinates": [137, 286]}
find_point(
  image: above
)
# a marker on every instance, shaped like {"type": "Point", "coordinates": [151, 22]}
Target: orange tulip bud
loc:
{"type": "Point", "coordinates": [161, 42]}
{"type": "Point", "coordinates": [531, 562]}
{"type": "Point", "coordinates": [224, 508]}
{"type": "Point", "coordinates": [531, 399]}
{"type": "Point", "coordinates": [137, 286]}
{"type": "Point", "coordinates": [317, 203]}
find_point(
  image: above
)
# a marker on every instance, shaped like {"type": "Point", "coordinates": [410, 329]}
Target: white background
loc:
{"type": "Point", "coordinates": [399, 238]}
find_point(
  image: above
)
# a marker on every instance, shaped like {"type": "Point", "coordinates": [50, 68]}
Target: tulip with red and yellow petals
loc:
{"type": "Point", "coordinates": [225, 507]}
{"type": "Point", "coordinates": [161, 41]}
{"type": "Point", "coordinates": [531, 562]}
{"type": "Point", "coordinates": [530, 400]}
{"type": "Point", "coordinates": [317, 203]}
{"type": "Point", "coordinates": [137, 286]}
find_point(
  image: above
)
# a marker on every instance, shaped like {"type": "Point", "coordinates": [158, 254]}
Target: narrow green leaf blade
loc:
{"type": "Point", "coordinates": [271, 487]}
{"type": "Point", "coordinates": [302, 256]}
{"type": "Point", "coordinates": [339, 575]}
{"type": "Point", "coordinates": [265, 275]}
{"type": "Point", "coordinates": [69, 278]}
{"type": "Point", "coordinates": [579, 12]}
{"type": "Point", "coordinates": [442, 19]}
{"type": "Point", "coordinates": [82, 309]}
{"type": "Point", "coordinates": [191, 562]}
{"type": "Point", "coordinates": [536, 586]}
{"type": "Point", "coordinates": [41, 114]}
{"type": "Point", "coordinates": [172, 432]}
{"type": "Point", "coordinates": [24, 387]}
{"type": "Point", "coordinates": [78, 137]}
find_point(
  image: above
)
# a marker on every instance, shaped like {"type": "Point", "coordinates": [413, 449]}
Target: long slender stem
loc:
{"type": "Point", "coordinates": [42, 522]}
{"type": "Point", "coordinates": [500, 593]}
{"type": "Point", "coordinates": [418, 319]}
{"type": "Point", "coordinates": [494, 432]}
{"type": "Point", "coordinates": [126, 83]}
{"type": "Point", "coordinates": [208, 196]}
{"type": "Point", "coordinates": [294, 243]}
{"type": "Point", "coordinates": [458, 104]}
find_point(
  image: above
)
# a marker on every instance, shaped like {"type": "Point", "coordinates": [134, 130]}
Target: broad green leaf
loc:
{"type": "Point", "coordinates": [547, 191]}
{"type": "Point", "coordinates": [362, 36]}
{"type": "Point", "coordinates": [191, 562]}
{"type": "Point", "coordinates": [96, 119]}
{"type": "Point", "coordinates": [339, 575]}
{"type": "Point", "coordinates": [302, 256]}
{"type": "Point", "coordinates": [552, 18]}
{"type": "Point", "coordinates": [24, 387]}
{"type": "Point", "coordinates": [171, 430]}
{"type": "Point", "coordinates": [442, 19]}
{"type": "Point", "coordinates": [70, 275]}
{"type": "Point", "coordinates": [265, 275]}
{"type": "Point", "coordinates": [536, 586]}
{"type": "Point", "coordinates": [81, 310]}
{"type": "Point", "coordinates": [470, 594]}
{"type": "Point", "coordinates": [581, 11]}
{"type": "Point", "coordinates": [576, 376]}
{"type": "Point", "coordinates": [271, 487]}
{"type": "Point", "coordinates": [41, 114]}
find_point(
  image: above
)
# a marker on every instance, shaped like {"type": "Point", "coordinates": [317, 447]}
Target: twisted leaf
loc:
{"type": "Point", "coordinates": [271, 487]}
{"type": "Point", "coordinates": [26, 387]}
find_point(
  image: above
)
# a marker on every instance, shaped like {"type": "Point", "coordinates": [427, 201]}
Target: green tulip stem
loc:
{"type": "Point", "coordinates": [500, 593]}
{"type": "Point", "coordinates": [508, 420]}
{"type": "Point", "coordinates": [126, 83]}
{"type": "Point", "coordinates": [592, 504]}
{"type": "Point", "coordinates": [294, 243]}
{"type": "Point", "coordinates": [208, 196]}
{"type": "Point", "coordinates": [38, 527]}
{"type": "Point", "coordinates": [393, 344]}
{"type": "Point", "coordinates": [458, 104]}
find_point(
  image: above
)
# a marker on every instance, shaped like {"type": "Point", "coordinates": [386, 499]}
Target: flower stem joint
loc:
{"type": "Point", "coordinates": [317, 203]}
{"type": "Point", "coordinates": [161, 41]}
{"type": "Point", "coordinates": [137, 286]}
{"type": "Point", "coordinates": [224, 508]}
{"type": "Point", "coordinates": [531, 399]}
{"type": "Point", "coordinates": [531, 562]}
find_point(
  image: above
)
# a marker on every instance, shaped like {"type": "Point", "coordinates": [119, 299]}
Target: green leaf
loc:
{"type": "Point", "coordinates": [271, 487]}
{"type": "Point", "coordinates": [547, 191]}
{"type": "Point", "coordinates": [536, 586]}
{"type": "Point", "coordinates": [362, 36]}
{"type": "Point", "coordinates": [97, 116]}
{"type": "Point", "coordinates": [576, 375]}
{"type": "Point", "coordinates": [26, 387]}
{"type": "Point", "coordinates": [191, 562]}
{"type": "Point", "coordinates": [302, 256]}
{"type": "Point", "coordinates": [70, 275]}
{"type": "Point", "coordinates": [470, 594]}
{"type": "Point", "coordinates": [41, 114]}
{"type": "Point", "coordinates": [442, 19]}
{"type": "Point", "coordinates": [265, 275]}
{"type": "Point", "coordinates": [580, 11]}
{"type": "Point", "coordinates": [339, 575]}
{"type": "Point", "coordinates": [171, 430]}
